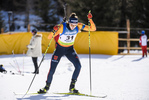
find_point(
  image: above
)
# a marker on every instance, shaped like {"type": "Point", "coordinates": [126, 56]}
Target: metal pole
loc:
{"type": "Point", "coordinates": [9, 14]}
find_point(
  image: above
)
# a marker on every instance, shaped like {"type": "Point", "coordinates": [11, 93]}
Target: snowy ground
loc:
{"type": "Point", "coordinates": [121, 77]}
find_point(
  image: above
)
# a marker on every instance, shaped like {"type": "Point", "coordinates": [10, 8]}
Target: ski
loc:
{"type": "Point", "coordinates": [82, 94]}
{"type": "Point", "coordinates": [77, 94]}
{"type": "Point", "coordinates": [27, 93]}
{"type": "Point", "coordinates": [33, 93]}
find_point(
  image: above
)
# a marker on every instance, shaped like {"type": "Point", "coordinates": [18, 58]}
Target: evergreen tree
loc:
{"type": "Point", "coordinates": [13, 5]}
{"type": "Point", "coordinates": [140, 15]}
{"type": "Point", "coordinates": [2, 24]}
{"type": "Point", "coordinates": [47, 10]}
{"type": "Point", "coordinates": [106, 13]}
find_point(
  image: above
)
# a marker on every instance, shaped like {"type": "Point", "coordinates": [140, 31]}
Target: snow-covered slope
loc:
{"type": "Point", "coordinates": [121, 77]}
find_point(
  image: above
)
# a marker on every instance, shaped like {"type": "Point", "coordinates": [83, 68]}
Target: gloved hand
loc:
{"type": "Point", "coordinates": [56, 27]}
{"type": "Point", "coordinates": [89, 16]}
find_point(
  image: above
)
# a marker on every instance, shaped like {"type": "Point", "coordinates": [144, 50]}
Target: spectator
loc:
{"type": "Point", "coordinates": [34, 49]}
{"type": "Point", "coordinates": [143, 43]}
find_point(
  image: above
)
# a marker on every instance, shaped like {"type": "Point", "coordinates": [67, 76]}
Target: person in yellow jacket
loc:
{"type": "Point", "coordinates": [65, 36]}
{"type": "Point", "coordinates": [34, 49]}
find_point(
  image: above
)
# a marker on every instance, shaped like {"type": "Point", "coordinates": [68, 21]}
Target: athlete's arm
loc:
{"type": "Point", "coordinates": [86, 27]}
{"type": "Point", "coordinates": [60, 30]}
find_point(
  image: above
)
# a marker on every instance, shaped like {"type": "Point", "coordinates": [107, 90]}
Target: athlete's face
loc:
{"type": "Point", "coordinates": [72, 26]}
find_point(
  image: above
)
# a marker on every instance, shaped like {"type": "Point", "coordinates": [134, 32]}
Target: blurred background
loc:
{"type": "Point", "coordinates": [108, 15]}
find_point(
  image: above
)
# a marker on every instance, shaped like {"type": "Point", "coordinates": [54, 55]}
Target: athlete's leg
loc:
{"type": "Point", "coordinates": [54, 62]}
{"type": "Point", "coordinates": [58, 53]}
{"type": "Point", "coordinates": [73, 57]}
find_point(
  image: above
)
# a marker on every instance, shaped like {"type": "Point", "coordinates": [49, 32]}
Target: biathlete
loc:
{"type": "Point", "coordinates": [65, 36]}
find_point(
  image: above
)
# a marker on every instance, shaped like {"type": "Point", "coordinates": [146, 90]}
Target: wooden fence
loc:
{"type": "Point", "coordinates": [128, 40]}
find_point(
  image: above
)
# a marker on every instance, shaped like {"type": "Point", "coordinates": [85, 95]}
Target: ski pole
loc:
{"type": "Point", "coordinates": [40, 62]}
{"type": "Point", "coordinates": [15, 61]}
{"type": "Point", "coordinates": [23, 59]}
{"type": "Point", "coordinates": [13, 67]}
{"type": "Point", "coordinates": [45, 53]}
{"type": "Point", "coordinates": [90, 56]}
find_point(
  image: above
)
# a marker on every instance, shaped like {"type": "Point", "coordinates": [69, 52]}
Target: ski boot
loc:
{"type": "Point", "coordinates": [45, 89]}
{"type": "Point", "coordinates": [72, 87]}
{"type": "Point", "coordinates": [35, 72]}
